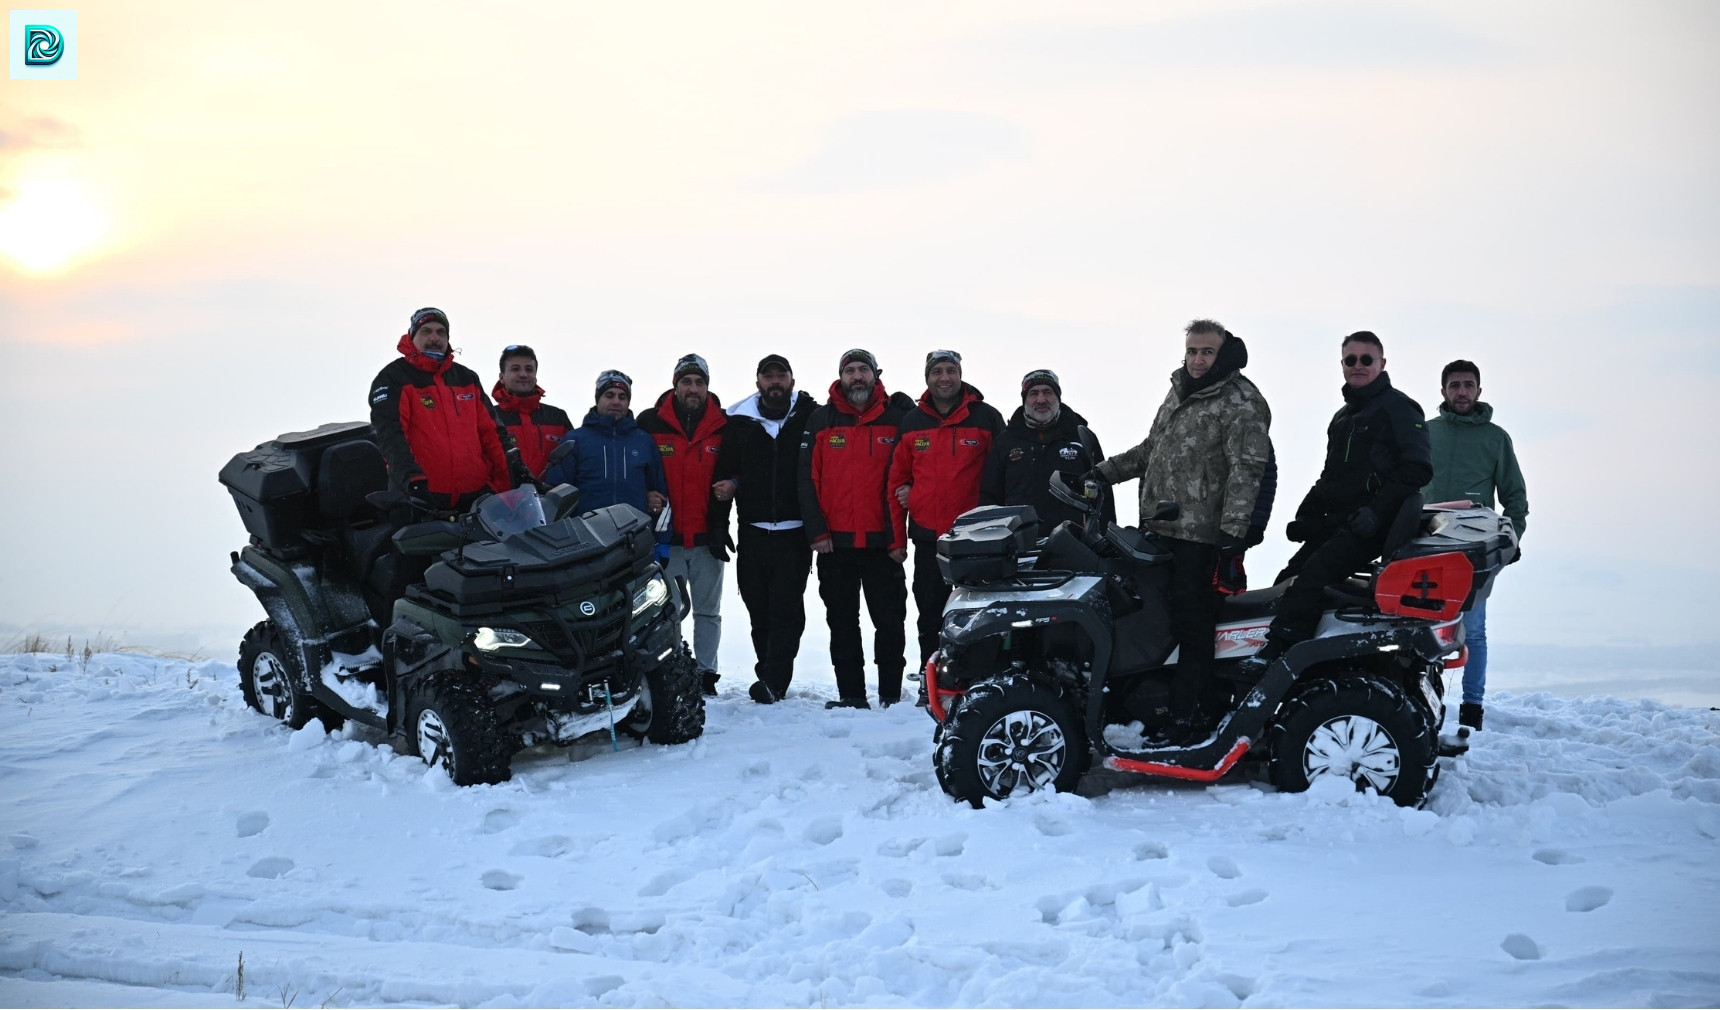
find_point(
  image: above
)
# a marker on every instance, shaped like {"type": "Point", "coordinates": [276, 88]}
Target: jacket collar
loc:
{"type": "Point", "coordinates": [610, 425]}
{"type": "Point", "coordinates": [1357, 397]}
{"type": "Point", "coordinates": [712, 419]}
{"type": "Point", "coordinates": [421, 361]}
{"type": "Point", "coordinates": [1482, 414]}
{"type": "Point", "coordinates": [523, 404]}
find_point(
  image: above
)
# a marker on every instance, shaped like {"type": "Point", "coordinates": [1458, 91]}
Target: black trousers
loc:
{"type": "Point", "coordinates": [1320, 563]}
{"type": "Point", "coordinates": [842, 575]}
{"type": "Point", "coordinates": [1194, 607]}
{"type": "Point", "coordinates": [771, 568]}
{"type": "Point", "coordinates": [931, 592]}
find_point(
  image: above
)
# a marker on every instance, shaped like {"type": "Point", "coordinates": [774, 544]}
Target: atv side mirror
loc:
{"type": "Point", "coordinates": [420, 539]}
{"type": "Point", "coordinates": [560, 501]}
{"type": "Point", "coordinates": [1167, 511]}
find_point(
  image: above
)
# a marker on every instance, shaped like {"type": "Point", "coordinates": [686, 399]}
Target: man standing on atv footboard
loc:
{"type": "Point", "coordinates": [435, 426]}
{"type": "Point", "coordinates": [1207, 450]}
{"type": "Point", "coordinates": [844, 464]}
{"type": "Point", "coordinates": [1377, 456]}
{"type": "Point", "coordinates": [935, 477]}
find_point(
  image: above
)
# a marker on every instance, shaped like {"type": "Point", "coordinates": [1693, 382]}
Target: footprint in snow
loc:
{"type": "Point", "coordinates": [967, 881]}
{"type": "Point", "coordinates": [1521, 947]}
{"type": "Point", "coordinates": [1224, 867]}
{"type": "Point", "coordinates": [252, 823]}
{"type": "Point", "coordinates": [896, 848]}
{"type": "Point", "coordinates": [500, 880]}
{"type": "Point", "coordinates": [549, 847]}
{"type": "Point", "coordinates": [756, 770]}
{"type": "Point", "coordinates": [1555, 857]}
{"type": "Point", "coordinates": [896, 887]}
{"type": "Point", "coordinates": [950, 845]}
{"type": "Point", "coordinates": [270, 867]}
{"type": "Point", "coordinates": [1254, 896]}
{"type": "Point", "coordinates": [662, 882]}
{"type": "Point", "coordinates": [1587, 899]}
{"type": "Point", "coordinates": [824, 830]}
{"type": "Point", "coordinates": [500, 820]}
{"type": "Point", "coordinates": [1152, 850]}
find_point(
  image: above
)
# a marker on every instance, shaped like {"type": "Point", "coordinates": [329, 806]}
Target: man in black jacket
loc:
{"type": "Point", "coordinates": [1377, 456]}
{"type": "Point", "coordinates": [1040, 439]}
{"type": "Point", "coordinates": [759, 468]}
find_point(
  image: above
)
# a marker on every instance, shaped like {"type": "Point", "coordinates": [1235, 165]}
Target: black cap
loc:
{"type": "Point", "coordinates": [861, 355]}
{"type": "Point", "coordinates": [771, 361]}
{"type": "Point", "coordinates": [692, 364]}
{"type": "Point", "coordinates": [425, 315]}
{"type": "Point", "coordinates": [1041, 377]}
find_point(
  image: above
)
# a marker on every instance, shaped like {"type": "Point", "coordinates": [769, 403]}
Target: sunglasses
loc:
{"type": "Point", "coordinates": [1351, 360]}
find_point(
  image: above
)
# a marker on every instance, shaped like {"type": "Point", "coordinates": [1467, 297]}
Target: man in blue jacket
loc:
{"type": "Point", "coordinates": [608, 457]}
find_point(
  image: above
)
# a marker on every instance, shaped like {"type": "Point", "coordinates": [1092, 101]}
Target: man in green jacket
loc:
{"type": "Point", "coordinates": [1473, 459]}
{"type": "Point", "coordinates": [1207, 450]}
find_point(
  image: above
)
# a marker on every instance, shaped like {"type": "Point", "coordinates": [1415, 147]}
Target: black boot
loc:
{"type": "Point", "coordinates": [710, 678]}
{"type": "Point", "coordinates": [857, 702]}
{"type": "Point", "coordinates": [1469, 714]}
{"type": "Point", "coordinates": [760, 692]}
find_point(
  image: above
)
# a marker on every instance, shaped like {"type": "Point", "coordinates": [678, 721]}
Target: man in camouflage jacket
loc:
{"type": "Point", "coordinates": [1207, 451]}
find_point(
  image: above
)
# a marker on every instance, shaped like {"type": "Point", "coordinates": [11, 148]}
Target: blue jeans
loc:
{"type": "Point", "coordinates": [1475, 637]}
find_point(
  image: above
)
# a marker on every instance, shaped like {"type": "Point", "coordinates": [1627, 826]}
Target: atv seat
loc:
{"type": "Point", "coordinates": [350, 471]}
{"type": "Point", "coordinates": [1256, 604]}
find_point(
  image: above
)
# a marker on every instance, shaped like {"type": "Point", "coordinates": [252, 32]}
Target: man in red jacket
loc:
{"type": "Point", "coordinates": [935, 474]}
{"type": "Point", "coordinates": [435, 426]}
{"type": "Point", "coordinates": [687, 424]}
{"type": "Point", "coordinates": [844, 464]}
{"type": "Point", "coordinates": [535, 427]}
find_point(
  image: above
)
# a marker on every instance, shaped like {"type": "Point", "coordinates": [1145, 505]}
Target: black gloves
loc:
{"type": "Point", "coordinates": [1363, 522]}
{"type": "Point", "coordinates": [1298, 531]}
{"type": "Point", "coordinates": [1230, 546]}
{"type": "Point", "coordinates": [418, 493]}
{"type": "Point", "coordinates": [719, 545]}
{"type": "Point", "coordinates": [1096, 477]}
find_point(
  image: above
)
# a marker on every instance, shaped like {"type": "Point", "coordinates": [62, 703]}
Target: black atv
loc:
{"type": "Point", "coordinates": [1053, 648]}
{"type": "Point", "coordinates": [464, 637]}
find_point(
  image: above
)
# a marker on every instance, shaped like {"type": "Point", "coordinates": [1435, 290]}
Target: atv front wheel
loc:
{"type": "Point", "coordinates": [671, 706]}
{"type": "Point", "coordinates": [1363, 729]}
{"type": "Point", "coordinates": [1010, 734]}
{"type": "Point", "coordinates": [269, 677]}
{"type": "Point", "coordinates": [452, 723]}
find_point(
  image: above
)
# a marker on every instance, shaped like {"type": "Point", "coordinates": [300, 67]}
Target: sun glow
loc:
{"type": "Point", "coordinates": [50, 223]}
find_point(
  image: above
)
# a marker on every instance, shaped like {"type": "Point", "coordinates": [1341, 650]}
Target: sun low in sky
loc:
{"type": "Point", "coordinates": [48, 224]}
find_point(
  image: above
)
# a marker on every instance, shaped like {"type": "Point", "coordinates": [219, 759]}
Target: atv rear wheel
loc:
{"type": "Point", "coordinates": [1363, 729]}
{"type": "Point", "coordinates": [671, 706]}
{"type": "Point", "coordinates": [452, 723]}
{"type": "Point", "coordinates": [269, 677]}
{"type": "Point", "coordinates": [1010, 734]}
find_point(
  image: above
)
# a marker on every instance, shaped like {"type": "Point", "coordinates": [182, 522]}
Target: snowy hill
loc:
{"type": "Point", "coordinates": [155, 830]}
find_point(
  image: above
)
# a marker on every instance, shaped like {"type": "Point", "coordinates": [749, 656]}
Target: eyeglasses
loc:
{"type": "Point", "coordinates": [1350, 360]}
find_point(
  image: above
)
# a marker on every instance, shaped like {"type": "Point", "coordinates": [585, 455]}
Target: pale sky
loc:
{"type": "Point", "coordinates": [218, 231]}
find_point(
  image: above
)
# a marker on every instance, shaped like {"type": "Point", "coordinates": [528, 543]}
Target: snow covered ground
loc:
{"type": "Point", "coordinates": [155, 830]}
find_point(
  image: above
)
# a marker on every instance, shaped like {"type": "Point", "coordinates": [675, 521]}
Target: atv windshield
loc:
{"type": "Point", "coordinates": [510, 513]}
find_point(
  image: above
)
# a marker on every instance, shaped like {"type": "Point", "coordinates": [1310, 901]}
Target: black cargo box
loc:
{"type": "Point", "coordinates": [272, 483]}
{"type": "Point", "coordinates": [575, 553]}
{"type": "Point", "coordinates": [984, 543]}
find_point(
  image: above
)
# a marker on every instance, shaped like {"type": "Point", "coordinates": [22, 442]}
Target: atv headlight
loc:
{"type": "Point", "coordinates": [650, 595]}
{"type": "Point", "coordinates": [496, 639]}
{"type": "Point", "coordinates": [956, 622]}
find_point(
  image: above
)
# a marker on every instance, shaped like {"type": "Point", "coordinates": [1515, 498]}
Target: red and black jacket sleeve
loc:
{"type": "Point", "coordinates": [386, 391]}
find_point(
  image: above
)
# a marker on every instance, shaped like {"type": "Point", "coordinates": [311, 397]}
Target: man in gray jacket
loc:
{"type": "Point", "coordinates": [1472, 459]}
{"type": "Point", "coordinates": [1207, 450]}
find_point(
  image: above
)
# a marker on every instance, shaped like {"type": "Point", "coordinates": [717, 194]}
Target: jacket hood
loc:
{"type": "Point", "coordinates": [1232, 358]}
{"type": "Point", "coordinates": [1067, 421]}
{"type": "Point", "coordinates": [421, 361]}
{"type": "Point", "coordinates": [505, 400]}
{"type": "Point", "coordinates": [709, 421]}
{"type": "Point", "coordinates": [874, 406]}
{"type": "Point", "coordinates": [1369, 391]}
{"type": "Point", "coordinates": [1482, 414]}
{"type": "Point", "coordinates": [969, 395]}
{"type": "Point", "coordinates": [610, 425]}
{"type": "Point", "coordinates": [749, 407]}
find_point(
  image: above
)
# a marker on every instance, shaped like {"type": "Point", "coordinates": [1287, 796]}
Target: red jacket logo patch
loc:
{"type": "Point", "coordinates": [922, 444]}
{"type": "Point", "coordinates": [428, 402]}
{"type": "Point", "coordinates": [665, 449]}
{"type": "Point", "coordinates": [838, 441]}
